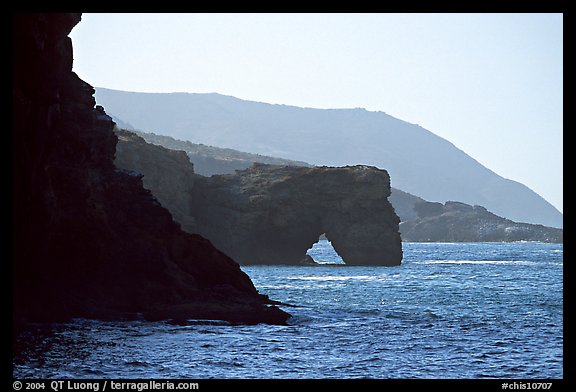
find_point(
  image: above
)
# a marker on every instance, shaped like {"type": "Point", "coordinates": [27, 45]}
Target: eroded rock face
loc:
{"type": "Point", "coordinates": [168, 172]}
{"type": "Point", "coordinates": [274, 214]}
{"type": "Point", "coordinates": [89, 240]}
{"type": "Point", "coordinates": [269, 214]}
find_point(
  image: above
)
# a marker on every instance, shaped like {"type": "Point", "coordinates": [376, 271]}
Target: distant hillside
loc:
{"type": "Point", "coordinates": [419, 162]}
{"type": "Point", "coordinates": [210, 160]}
{"type": "Point", "coordinates": [459, 222]}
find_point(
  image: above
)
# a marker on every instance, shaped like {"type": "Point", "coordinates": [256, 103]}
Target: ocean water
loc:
{"type": "Point", "coordinates": [451, 310]}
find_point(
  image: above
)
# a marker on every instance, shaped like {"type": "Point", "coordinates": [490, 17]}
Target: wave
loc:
{"type": "Point", "coordinates": [336, 278]}
{"type": "Point", "coordinates": [498, 262]}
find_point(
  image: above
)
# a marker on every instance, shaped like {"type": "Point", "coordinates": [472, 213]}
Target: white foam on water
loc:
{"type": "Point", "coordinates": [337, 278]}
{"type": "Point", "coordinates": [480, 262]}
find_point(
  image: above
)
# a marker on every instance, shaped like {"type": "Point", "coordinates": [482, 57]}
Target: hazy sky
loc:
{"type": "Point", "coordinates": [492, 84]}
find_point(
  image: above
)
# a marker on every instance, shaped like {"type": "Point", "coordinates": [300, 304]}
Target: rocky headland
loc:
{"type": "Point", "coordinates": [460, 222]}
{"type": "Point", "coordinates": [88, 239]}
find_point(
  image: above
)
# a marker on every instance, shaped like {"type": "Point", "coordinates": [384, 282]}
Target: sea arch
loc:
{"type": "Point", "coordinates": [273, 214]}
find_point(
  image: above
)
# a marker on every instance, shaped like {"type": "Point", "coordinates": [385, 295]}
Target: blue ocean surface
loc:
{"type": "Point", "coordinates": [451, 310]}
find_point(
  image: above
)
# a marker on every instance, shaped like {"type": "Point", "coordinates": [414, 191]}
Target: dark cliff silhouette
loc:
{"type": "Point", "coordinates": [88, 239]}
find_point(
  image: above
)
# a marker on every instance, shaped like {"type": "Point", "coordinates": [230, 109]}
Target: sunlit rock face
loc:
{"type": "Point", "coordinates": [88, 239]}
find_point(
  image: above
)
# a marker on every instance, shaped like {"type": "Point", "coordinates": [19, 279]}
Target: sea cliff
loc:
{"type": "Point", "coordinates": [88, 239]}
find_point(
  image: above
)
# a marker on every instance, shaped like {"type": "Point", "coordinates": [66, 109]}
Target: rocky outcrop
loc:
{"type": "Point", "coordinates": [459, 222]}
{"type": "Point", "coordinates": [273, 214]}
{"type": "Point", "coordinates": [270, 214]}
{"type": "Point", "coordinates": [88, 239]}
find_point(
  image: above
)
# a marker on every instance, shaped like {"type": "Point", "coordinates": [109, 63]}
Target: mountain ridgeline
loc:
{"type": "Point", "coordinates": [419, 162]}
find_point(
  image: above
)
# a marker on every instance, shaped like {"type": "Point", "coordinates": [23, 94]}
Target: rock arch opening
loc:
{"type": "Point", "coordinates": [322, 252]}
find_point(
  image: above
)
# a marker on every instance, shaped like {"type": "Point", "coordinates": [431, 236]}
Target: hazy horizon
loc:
{"type": "Point", "coordinates": [491, 84]}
